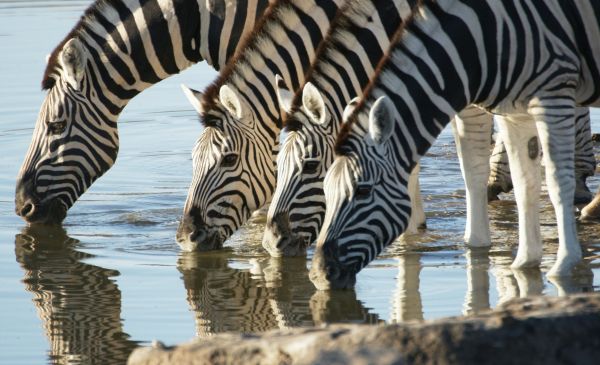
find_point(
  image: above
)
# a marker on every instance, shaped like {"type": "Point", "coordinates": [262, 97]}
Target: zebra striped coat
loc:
{"type": "Point", "coordinates": [341, 69]}
{"type": "Point", "coordinates": [118, 49]}
{"type": "Point", "coordinates": [530, 62]}
{"type": "Point", "coordinates": [233, 159]}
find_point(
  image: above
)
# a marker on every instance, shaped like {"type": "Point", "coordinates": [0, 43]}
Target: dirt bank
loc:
{"type": "Point", "coordinates": [537, 330]}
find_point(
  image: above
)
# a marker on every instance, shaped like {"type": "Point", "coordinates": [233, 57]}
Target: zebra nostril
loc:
{"type": "Point", "coordinates": [27, 210]}
{"type": "Point", "coordinates": [197, 235]}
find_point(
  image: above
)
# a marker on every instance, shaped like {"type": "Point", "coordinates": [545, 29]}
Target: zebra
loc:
{"type": "Point", "coordinates": [79, 304]}
{"type": "Point", "coordinates": [297, 209]}
{"type": "Point", "coordinates": [531, 64]}
{"type": "Point", "coordinates": [118, 49]}
{"type": "Point", "coordinates": [233, 158]}
{"type": "Point", "coordinates": [585, 162]}
{"type": "Point", "coordinates": [342, 67]}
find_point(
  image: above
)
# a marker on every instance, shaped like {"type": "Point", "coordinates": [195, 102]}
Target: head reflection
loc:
{"type": "Point", "coordinates": [269, 293]}
{"type": "Point", "coordinates": [79, 304]}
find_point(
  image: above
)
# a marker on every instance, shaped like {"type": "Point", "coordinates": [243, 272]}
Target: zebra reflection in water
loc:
{"type": "Point", "coordinates": [79, 304]}
{"type": "Point", "coordinates": [274, 293]}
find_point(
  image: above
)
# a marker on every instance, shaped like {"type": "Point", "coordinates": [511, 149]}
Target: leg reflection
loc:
{"type": "Point", "coordinates": [477, 298]}
{"type": "Point", "coordinates": [79, 304]}
{"type": "Point", "coordinates": [407, 303]}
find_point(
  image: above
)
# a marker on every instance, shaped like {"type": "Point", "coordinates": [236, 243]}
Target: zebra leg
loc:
{"type": "Point", "coordinates": [477, 298]}
{"type": "Point", "coordinates": [555, 127]}
{"type": "Point", "coordinates": [417, 214]}
{"type": "Point", "coordinates": [585, 161]}
{"type": "Point", "coordinates": [499, 180]}
{"type": "Point", "coordinates": [521, 141]}
{"type": "Point", "coordinates": [472, 128]}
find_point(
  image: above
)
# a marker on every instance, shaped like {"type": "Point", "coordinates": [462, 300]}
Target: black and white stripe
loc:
{"type": "Point", "coordinates": [313, 117]}
{"type": "Point", "coordinates": [530, 63]}
{"type": "Point", "coordinates": [233, 160]}
{"type": "Point", "coordinates": [118, 49]}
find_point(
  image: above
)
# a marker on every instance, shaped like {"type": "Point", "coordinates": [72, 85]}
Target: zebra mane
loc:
{"type": "Point", "coordinates": [341, 20]}
{"type": "Point", "coordinates": [349, 11]}
{"type": "Point", "coordinates": [91, 12]}
{"type": "Point", "coordinates": [250, 42]}
{"type": "Point", "coordinates": [341, 145]}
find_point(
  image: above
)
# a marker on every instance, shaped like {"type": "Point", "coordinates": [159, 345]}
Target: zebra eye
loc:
{"type": "Point", "coordinates": [57, 127]}
{"type": "Point", "coordinates": [229, 160]}
{"type": "Point", "coordinates": [363, 192]}
{"type": "Point", "coordinates": [310, 166]}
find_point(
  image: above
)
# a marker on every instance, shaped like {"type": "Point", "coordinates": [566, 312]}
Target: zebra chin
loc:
{"type": "Point", "coordinates": [327, 272]}
{"type": "Point", "coordinates": [193, 237]}
{"type": "Point", "coordinates": [288, 246]}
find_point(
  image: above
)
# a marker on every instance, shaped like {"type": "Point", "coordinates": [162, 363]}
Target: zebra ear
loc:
{"type": "Point", "coordinates": [381, 120]}
{"type": "Point", "coordinates": [312, 100]}
{"type": "Point", "coordinates": [194, 97]}
{"type": "Point", "coordinates": [350, 108]}
{"type": "Point", "coordinates": [73, 58]}
{"type": "Point", "coordinates": [231, 101]}
{"type": "Point", "coordinates": [284, 95]}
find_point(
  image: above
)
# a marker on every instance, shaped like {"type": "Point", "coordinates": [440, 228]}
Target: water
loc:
{"type": "Point", "coordinates": [114, 277]}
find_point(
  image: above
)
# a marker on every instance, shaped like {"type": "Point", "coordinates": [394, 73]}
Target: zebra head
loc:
{"type": "Point", "coordinates": [233, 172]}
{"type": "Point", "coordinates": [366, 198]}
{"type": "Point", "coordinates": [296, 212]}
{"type": "Point", "coordinates": [74, 142]}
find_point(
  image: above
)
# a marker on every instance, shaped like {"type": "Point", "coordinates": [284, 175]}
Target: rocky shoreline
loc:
{"type": "Point", "coordinates": [538, 330]}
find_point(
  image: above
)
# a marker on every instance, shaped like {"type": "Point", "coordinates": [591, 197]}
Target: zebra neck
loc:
{"type": "Point", "coordinates": [135, 46]}
{"type": "Point", "coordinates": [278, 50]}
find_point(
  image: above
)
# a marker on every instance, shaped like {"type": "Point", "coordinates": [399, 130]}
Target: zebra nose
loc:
{"type": "Point", "coordinates": [280, 225]}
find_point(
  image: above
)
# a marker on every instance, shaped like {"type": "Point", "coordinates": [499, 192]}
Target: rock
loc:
{"type": "Point", "coordinates": [537, 330]}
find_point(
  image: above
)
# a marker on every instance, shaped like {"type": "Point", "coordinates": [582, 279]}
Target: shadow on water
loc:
{"type": "Point", "coordinates": [273, 293]}
{"type": "Point", "coordinates": [79, 304]}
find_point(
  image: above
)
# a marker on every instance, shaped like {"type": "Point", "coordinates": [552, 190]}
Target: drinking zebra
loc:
{"type": "Point", "coordinates": [118, 49]}
{"type": "Point", "coordinates": [341, 68]}
{"type": "Point", "coordinates": [531, 63]}
{"type": "Point", "coordinates": [233, 159]}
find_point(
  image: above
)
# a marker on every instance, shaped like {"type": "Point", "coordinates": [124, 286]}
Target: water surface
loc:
{"type": "Point", "coordinates": [114, 277]}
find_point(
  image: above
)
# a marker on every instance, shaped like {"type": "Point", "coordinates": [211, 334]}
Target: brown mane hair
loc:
{"type": "Point", "coordinates": [346, 129]}
{"type": "Point", "coordinates": [96, 8]}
